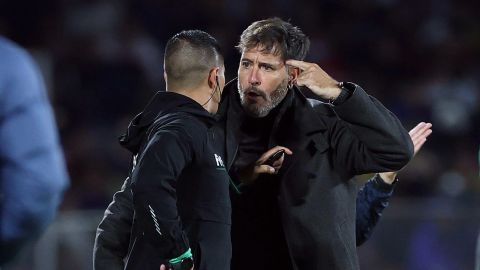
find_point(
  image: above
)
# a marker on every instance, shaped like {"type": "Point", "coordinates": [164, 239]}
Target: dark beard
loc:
{"type": "Point", "coordinates": [276, 98]}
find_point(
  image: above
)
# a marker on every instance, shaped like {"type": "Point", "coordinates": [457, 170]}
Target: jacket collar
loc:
{"type": "Point", "coordinates": [161, 104]}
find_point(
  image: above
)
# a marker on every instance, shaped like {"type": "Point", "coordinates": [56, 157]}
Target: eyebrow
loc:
{"type": "Point", "coordinates": [276, 64]}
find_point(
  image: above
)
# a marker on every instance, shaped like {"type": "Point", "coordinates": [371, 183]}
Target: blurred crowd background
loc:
{"type": "Point", "coordinates": [102, 61]}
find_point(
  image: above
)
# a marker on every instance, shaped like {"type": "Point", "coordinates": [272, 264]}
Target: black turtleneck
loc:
{"type": "Point", "coordinates": [255, 211]}
{"type": "Point", "coordinates": [254, 138]}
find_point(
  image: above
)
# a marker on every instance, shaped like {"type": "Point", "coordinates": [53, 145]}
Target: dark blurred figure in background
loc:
{"type": "Point", "coordinates": [33, 175]}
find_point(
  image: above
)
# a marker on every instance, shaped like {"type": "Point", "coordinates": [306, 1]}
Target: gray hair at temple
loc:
{"type": "Point", "coordinates": [275, 36]}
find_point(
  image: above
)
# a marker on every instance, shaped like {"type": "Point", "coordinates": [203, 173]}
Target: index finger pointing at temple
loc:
{"type": "Point", "coordinates": [299, 64]}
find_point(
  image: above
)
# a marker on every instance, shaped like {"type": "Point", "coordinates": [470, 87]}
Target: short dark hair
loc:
{"type": "Point", "coordinates": [276, 36]}
{"type": "Point", "coordinates": [189, 55]}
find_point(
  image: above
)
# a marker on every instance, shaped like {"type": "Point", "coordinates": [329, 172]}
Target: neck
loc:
{"type": "Point", "coordinates": [201, 94]}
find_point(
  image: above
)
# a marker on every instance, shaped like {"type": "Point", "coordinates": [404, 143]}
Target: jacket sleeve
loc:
{"type": "Point", "coordinates": [113, 233]}
{"type": "Point", "coordinates": [368, 137]}
{"type": "Point", "coordinates": [372, 199]}
{"type": "Point", "coordinates": [154, 182]}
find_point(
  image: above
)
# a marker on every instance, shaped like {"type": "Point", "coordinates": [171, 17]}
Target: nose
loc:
{"type": "Point", "coordinates": [253, 78]}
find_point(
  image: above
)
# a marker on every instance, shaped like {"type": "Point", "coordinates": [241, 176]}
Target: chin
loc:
{"type": "Point", "coordinates": [256, 111]}
{"type": "Point", "coordinates": [251, 110]}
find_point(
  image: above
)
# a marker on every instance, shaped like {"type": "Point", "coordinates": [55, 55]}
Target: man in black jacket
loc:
{"type": "Point", "coordinates": [179, 182]}
{"type": "Point", "coordinates": [302, 217]}
{"type": "Point", "coordinates": [310, 199]}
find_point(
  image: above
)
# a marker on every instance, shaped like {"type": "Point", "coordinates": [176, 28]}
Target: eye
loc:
{"type": "Point", "coordinates": [246, 64]}
{"type": "Point", "coordinates": [267, 67]}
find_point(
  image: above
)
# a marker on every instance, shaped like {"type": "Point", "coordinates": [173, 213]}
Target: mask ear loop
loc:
{"type": "Point", "coordinates": [214, 91]}
{"type": "Point", "coordinates": [217, 88]}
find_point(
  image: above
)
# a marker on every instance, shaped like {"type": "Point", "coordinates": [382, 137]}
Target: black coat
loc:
{"type": "Point", "coordinates": [316, 197]}
{"type": "Point", "coordinates": [179, 186]}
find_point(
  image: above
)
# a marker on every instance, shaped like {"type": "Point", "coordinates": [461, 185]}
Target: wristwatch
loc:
{"type": "Point", "coordinates": [347, 89]}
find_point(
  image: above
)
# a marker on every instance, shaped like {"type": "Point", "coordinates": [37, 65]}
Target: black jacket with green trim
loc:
{"type": "Point", "coordinates": [179, 186]}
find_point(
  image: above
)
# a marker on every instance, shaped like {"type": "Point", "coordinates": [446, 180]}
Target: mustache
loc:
{"type": "Point", "coordinates": [256, 91]}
